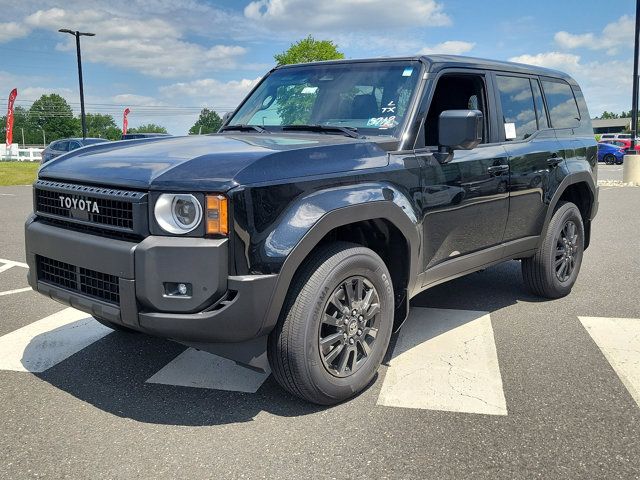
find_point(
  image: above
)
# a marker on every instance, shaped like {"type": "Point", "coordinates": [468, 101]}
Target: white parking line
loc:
{"type": "Point", "coordinates": [18, 290]}
{"type": "Point", "coordinates": [10, 264]}
{"type": "Point", "coordinates": [42, 344]}
{"type": "Point", "coordinates": [194, 368]}
{"type": "Point", "coordinates": [445, 360]}
{"type": "Point", "coordinates": [619, 341]}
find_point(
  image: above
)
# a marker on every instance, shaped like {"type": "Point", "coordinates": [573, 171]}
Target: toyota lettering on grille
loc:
{"type": "Point", "coordinates": [79, 204]}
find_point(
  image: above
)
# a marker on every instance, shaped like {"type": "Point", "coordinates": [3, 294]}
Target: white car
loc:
{"type": "Point", "coordinates": [615, 136]}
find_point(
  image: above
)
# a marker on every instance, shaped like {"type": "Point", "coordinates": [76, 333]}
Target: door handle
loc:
{"type": "Point", "coordinates": [554, 160]}
{"type": "Point", "coordinates": [498, 169]}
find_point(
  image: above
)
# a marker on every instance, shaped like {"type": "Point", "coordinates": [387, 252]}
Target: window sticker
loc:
{"type": "Point", "coordinates": [390, 108]}
{"type": "Point", "coordinates": [407, 72]}
{"type": "Point", "coordinates": [510, 131]}
{"type": "Point", "coordinates": [309, 89]}
{"type": "Point", "coordinates": [382, 123]}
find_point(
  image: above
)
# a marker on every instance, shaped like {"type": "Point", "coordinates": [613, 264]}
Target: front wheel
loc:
{"type": "Point", "coordinates": [335, 326]}
{"type": "Point", "coordinates": [609, 159]}
{"type": "Point", "coordinates": [553, 270]}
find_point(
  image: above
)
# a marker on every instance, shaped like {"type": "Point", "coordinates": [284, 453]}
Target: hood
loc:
{"type": "Point", "coordinates": [213, 163]}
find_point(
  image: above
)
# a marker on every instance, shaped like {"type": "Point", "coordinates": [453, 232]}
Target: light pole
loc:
{"type": "Point", "coordinates": [631, 168]}
{"type": "Point", "coordinates": [78, 34]}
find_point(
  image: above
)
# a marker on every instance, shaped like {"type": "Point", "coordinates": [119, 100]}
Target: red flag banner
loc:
{"type": "Point", "coordinates": [12, 99]}
{"type": "Point", "coordinates": [125, 121]}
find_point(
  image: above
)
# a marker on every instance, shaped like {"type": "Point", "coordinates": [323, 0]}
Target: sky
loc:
{"type": "Point", "coordinates": [166, 59]}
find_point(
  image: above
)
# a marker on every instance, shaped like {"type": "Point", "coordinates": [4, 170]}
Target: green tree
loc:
{"type": "Point", "coordinates": [22, 124]}
{"type": "Point", "coordinates": [102, 126]}
{"type": "Point", "coordinates": [309, 50]}
{"type": "Point", "coordinates": [148, 128]}
{"type": "Point", "coordinates": [208, 122]}
{"type": "Point", "coordinates": [53, 114]}
{"type": "Point", "coordinates": [608, 115]}
{"type": "Point", "coordinates": [294, 106]}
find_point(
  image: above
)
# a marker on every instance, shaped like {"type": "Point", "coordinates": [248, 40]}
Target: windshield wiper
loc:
{"type": "Point", "coordinates": [348, 131]}
{"type": "Point", "coordinates": [243, 127]}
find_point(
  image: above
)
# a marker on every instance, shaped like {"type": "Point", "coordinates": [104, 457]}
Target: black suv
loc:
{"type": "Point", "coordinates": [295, 237]}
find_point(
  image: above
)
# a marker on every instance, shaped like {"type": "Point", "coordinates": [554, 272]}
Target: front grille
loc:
{"type": "Point", "coordinates": [105, 208]}
{"type": "Point", "coordinates": [92, 230]}
{"type": "Point", "coordinates": [70, 277]}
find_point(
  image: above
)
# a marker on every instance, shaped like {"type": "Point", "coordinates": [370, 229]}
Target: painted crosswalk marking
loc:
{"type": "Point", "coordinates": [194, 368]}
{"type": "Point", "coordinates": [619, 341]}
{"type": "Point", "coordinates": [445, 360]}
{"type": "Point", "coordinates": [17, 290]}
{"type": "Point", "coordinates": [45, 343]}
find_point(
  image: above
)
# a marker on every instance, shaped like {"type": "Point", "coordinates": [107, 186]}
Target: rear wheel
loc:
{"type": "Point", "coordinates": [335, 326]}
{"type": "Point", "coordinates": [609, 159]}
{"type": "Point", "coordinates": [553, 270]}
{"type": "Point", "coordinates": [115, 326]}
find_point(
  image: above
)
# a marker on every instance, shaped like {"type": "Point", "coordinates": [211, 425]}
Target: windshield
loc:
{"type": "Point", "coordinates": [370, 97]}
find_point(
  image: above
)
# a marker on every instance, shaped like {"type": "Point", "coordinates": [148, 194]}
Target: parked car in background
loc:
{"type": "Point", "coordinates": [615, 136]}
{"type": "Point", "coordinates": [132, 136]}
{"type": "Point", "coordinates": [624, 143]}
{"type": "Point", "coordinates": [610, 154]}
{"type": "Point", "coordinates": [57, 148]}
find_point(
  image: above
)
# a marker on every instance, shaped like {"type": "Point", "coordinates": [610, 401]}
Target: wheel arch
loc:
{"type": "Point", "coordinates": [386, 216]}
{"type": "Point", "coordinates": [578, 188]}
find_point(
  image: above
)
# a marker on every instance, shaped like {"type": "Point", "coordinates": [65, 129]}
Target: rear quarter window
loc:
{"type": "Point", "coordinates": [563, 108]}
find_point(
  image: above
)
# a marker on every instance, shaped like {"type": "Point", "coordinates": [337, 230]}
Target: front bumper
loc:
{"type": "Point", "coordinates": [221, 308]}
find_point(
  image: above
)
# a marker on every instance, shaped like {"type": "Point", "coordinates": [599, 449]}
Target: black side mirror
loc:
{"type": "Point", "coordinates": [460, 129]}
{"type": "Point", "coordinates": [226, 117]}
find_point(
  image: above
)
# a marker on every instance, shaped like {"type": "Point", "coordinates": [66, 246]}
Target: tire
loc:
{"type": "Point", "coordinates": [609, 159]}
{"type": "Point", "coordinates": [320, 374]}
{"type": "Point", "coordinates": [543, 273]}
{"type": "Point", "coordinates": [115, 326]}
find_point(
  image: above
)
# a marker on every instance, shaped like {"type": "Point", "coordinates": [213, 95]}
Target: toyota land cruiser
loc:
{"type": "Point", "coordinates": [295, 237]}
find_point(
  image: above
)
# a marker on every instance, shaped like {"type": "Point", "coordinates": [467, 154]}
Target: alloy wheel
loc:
{"type": "Point", "coordinates": [566, 251]}
{"type": "Point", "coordinates": [349, 326]}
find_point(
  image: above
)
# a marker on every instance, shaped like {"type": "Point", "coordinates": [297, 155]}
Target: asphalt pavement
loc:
{"type": "Point", "coordinates": [610, 172]}
{"type": "Point", "coordinates": [510, 386]}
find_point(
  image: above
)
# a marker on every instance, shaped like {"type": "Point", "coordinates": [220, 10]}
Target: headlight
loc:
{"type": "Point", "coordinates": [178, 213]}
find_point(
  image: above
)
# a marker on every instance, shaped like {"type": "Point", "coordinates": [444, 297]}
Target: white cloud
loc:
{"type": "Point", "coordinates": [151, 46]}
{"type": "Point", "coordinates": [556, 60]}
{"type": "Point", "coordinates": [339, 15]}
{"type": "Point", "coordinates": [615, 34]}
{"type": "Point", "coordinates": [12, 30]}
{"type": "Point", "coordinates": [209, 92]}
{"type": "Point", "coordinates": [131, 99]}
{"type": "Point", "coordinates": [606, 85]}
{"type": "Point", "coordinates": [450, 47]}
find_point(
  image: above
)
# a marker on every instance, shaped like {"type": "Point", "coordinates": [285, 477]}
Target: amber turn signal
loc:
{"type": "Point", "coordinates": [217, 216]}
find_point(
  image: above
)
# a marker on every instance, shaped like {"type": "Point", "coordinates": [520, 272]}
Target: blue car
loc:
{"type": "Point", "coordinates": [610, 154]}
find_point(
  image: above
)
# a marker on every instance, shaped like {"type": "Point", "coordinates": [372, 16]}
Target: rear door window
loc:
{"type": "Point", "coordinates": [518, 109]}
{"type": "Point", "coordinates": [563, 109]}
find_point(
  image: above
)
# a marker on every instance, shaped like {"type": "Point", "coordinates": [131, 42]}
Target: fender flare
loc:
{"type": "Point", "coordinates": [571, 179]}
{"type": "Point", "coordinates": [378, 209]}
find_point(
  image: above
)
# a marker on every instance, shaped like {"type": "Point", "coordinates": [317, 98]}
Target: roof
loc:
{"type": "Point", "coordinates": [611, 122]}
{"type": "Point", "coordinates": [437, 62]}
